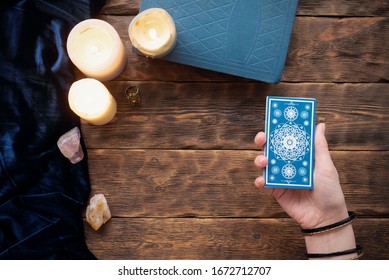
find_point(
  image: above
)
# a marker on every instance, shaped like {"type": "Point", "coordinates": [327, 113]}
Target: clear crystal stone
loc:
{"type": "Point", "coordinates": [97, 212]}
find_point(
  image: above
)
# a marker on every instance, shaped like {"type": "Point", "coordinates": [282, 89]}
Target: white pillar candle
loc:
{"type": "Point", "coordinates": [92, 101]}
{"type": "Point", "coordinates": [95, 48]}
{"type": "Point", "coordinates": [153, 32]}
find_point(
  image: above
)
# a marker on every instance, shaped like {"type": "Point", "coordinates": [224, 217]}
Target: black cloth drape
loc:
{"type": "Point", "coordinates": [42, 195]}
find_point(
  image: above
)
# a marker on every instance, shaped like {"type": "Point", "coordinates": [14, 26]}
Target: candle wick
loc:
{"type": "Point", "coordinates": [85, 30]}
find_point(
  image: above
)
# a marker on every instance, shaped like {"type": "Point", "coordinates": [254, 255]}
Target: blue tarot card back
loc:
{"type": "Point", "coordinates": [289, 126]}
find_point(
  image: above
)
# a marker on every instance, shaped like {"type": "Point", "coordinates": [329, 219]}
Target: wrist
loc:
{"type": "Point", "coordinates": [336, 240]}
{"type": "Point", "coordinates": [321, 218]}
{"type": "Point", "coordinates": [321, 229]}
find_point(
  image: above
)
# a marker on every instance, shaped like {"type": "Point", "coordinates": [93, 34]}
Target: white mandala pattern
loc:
{"type": "Point", "coordinates": [288, 171]}
{"type": "Point", "coordinates": [277, 113]}
{"type": "Point", "coordinates": [275, 170]}
{"type": "Point", "coordinates": [304, 115]}
{"type": "Point", "coordinates": [290, 142]}
{"type": "Point", "coordinates": [302, 171]}
{"type": "Point", "coordinates": [291, 113]}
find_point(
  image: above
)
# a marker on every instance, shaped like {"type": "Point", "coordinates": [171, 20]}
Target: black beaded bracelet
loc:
{"type": "Point", "coordinates": [333, 226]}
{"type": "Point", "coordinates": [357, 250]}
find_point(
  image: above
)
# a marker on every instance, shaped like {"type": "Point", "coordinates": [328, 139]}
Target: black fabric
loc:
{"type": "Point", "coordinates": [42, 195]}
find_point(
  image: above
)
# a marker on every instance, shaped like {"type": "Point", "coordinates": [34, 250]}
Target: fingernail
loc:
{"type": "Point", "coordinates": [259, 160]}
{"type": "Point", "coordinates": [258, 181]}
{"type": "Point", "coordinates": [259, 136]}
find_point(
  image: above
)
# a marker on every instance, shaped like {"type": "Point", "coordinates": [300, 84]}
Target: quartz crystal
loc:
{"type": "Point", "coordinates": [97, 212]}
{"type": "Point", "coordinates": [69, 145]}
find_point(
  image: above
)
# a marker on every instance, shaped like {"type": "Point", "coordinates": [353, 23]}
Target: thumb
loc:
{"type": "Point", "coordinates": [322, 153]}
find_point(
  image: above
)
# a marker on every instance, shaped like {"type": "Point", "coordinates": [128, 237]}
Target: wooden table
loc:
{"type": "Point", "coordinates": [178, 170]}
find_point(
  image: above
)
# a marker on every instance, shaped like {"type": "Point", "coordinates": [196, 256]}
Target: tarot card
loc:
{"type": "Point", "coordinates": [289, 126]}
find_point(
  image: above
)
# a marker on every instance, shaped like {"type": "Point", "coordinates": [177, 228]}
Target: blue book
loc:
{"type": "Point", "coordinates": [289, 127]}
{"type": "Point", "coordinates": [247, 38]}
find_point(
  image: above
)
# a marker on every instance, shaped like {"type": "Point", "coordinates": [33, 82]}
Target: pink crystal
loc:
{"type": "Point", "coordinates": [69, 145]}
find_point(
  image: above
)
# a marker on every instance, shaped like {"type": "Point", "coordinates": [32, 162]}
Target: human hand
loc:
{"type": "Point", "coordinates": [323, 205]}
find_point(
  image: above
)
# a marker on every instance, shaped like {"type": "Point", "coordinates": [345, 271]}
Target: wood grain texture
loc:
{"type": "Point", "coordinates": [178, 170]}
{"type": "Point", "coordinates": [228, 115]}
{"type": "Point", "coordinates": [321, 50]}
{"type": "Point", "coordinates": [216, 239]}
{"type": "Point", "coordinates": [305, 7]}
{"type": "Point", "coordinates": [187, 183]}
{"type": "Point", "coordinates": [339, 50]}
{"type": "Point", "coordinates": [345, 8]}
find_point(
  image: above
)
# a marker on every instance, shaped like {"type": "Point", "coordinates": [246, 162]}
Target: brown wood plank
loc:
{"type": "Point", "coordinates": [321, 50]}
{"type": "Point", "coordinates": [343, 8]}
{"type": "Point", "coordinates": [160, 183]}
{"type": "Point", "coordinates": [339, 50]}
{"type": "Point", "coordinates": [219, 239]}
{"type": "Point", "coordinates": [121, 7]}
{"type": "Point", "coordinates": [227, 116]}
{"type": "Point", "coordinates": [306, 7]}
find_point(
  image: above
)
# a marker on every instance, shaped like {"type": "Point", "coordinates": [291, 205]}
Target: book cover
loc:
{"type": "Point", "coordinates": [247, 38]}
